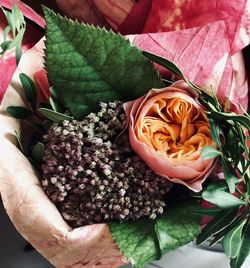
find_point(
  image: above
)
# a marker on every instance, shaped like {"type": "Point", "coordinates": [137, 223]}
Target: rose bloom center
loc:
{"type": "Point", "coordinates": [174, 126]}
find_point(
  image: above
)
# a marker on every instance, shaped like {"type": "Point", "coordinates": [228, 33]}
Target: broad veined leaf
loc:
{"type": "Point", "coordinates": [87, 65]}
{"type": "Point", "coordinates": [218, 223]}
{"type": "Point", "coordinates": [137, 241]}
{"type": "Point", "coordinates": [145, 240]}
{"type": "Point", "coordinates": [176, 228]}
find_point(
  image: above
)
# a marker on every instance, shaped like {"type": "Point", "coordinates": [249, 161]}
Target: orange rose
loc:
{"type": "Point", "coordinates": [168, 129]}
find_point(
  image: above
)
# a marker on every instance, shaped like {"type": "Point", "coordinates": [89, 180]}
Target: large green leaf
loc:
{"type": "Point", "coordinates": [137, 241]}
{"type": "Point", "coordinates": [146, 240]}
{"type": "Point", "coordinates": [177, 228]}
{"type": "Point", "coordinates": [87, 65]}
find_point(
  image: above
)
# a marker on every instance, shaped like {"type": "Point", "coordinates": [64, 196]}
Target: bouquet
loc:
{"type": "Point", "coordinates": [126, 145]}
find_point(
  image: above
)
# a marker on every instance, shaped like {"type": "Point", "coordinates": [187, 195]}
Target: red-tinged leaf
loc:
{"type": "Point", "coordinates": [168, 15]}
{"type": "Point", "coordinates": [26, 10]}
{"type": "Point", "coordinates": [42, 85]}
{"type": "Point", "coordinates": [135, 21]}
{"type": "Point", "coordinates": [203, 55]}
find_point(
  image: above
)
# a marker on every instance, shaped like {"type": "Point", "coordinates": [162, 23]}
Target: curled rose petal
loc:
{"type": "Point", "coordinates": [168, 129]}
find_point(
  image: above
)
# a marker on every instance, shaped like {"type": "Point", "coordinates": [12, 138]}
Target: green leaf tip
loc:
{"type": "Point", "coordinates": [94, 65]}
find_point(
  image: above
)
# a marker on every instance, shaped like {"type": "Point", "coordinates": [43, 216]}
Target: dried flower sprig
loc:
{"type": "Point", "coordinates": [92, 175]}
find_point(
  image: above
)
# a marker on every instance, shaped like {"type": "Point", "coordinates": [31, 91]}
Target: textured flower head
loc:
{"type": "Point", "coordinates": [168, 129]}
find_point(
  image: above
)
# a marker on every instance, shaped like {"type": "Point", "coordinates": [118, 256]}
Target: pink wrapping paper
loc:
{"type": "Point", "coordinates": [203, 54]}
{"type": "Point", "coordinates": [168, 15]}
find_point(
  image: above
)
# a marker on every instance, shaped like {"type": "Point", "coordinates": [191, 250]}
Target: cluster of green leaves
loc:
{"type": "Point", "coordinates": [16, 27]}
{"type": "Point", "coordinates": [230, 197]}
{"type": "Point", "coordinates": [37, 118]}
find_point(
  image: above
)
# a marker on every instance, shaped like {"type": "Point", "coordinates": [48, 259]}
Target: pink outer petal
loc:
{"type": "Point", "coordinates": [27, 11]}
{"type": "Point", "coordinates": [189, 173]}
{"type": "Point", "coordinates": [168, 15]}
{"type": "Point", "coordinates": [203, 54]}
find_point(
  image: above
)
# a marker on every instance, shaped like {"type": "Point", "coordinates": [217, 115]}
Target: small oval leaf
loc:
{"type": "Point", "coordinates": [19, 112]}
{"type": "Point", "coordinates": [232, 241]}
{"type": "Point", "coordinates": [210, 152]}
{"type": "Point", "coordinates": [230, 175]}
{"type": "Point", "coordinates": [29, 89]}
{"type": "Point", "coordinates": [54, 116]}
{"type": "Point", "coordinates": [37, 152]}
{"type": "Point", "coordinates": [222, 199]}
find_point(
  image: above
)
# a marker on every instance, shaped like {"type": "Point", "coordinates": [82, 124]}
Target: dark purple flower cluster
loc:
{"type": "Point", "coordinates": [92, 174]}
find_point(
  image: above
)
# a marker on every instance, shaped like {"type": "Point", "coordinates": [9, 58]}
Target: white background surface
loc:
{"type": "Point", "coordinates": [12, 254]}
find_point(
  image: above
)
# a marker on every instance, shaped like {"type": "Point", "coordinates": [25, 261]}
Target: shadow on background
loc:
{"type": "Point", "coordinates": [14, 252]}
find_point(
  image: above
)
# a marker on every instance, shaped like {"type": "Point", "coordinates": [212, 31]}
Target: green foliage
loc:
{"type": "Point", "coordinates": [222, 199]}
{"type": "Point", "coordinates": [145, 240]}
{"type": "Point", "coordinates": [19, 112]}
{"type": "Point", "coordinates": [54, 116]}
{"type": "Point", "coordinates": [16, 26]}
{"type": "Point", "coordinates": [37, 152]}
{"type": "Point", "coordinates": [209, 152]}
{"type": "Point", "coordinates": [29, 89]}
{"type": "Point", "coordinates": [87, 65]}
{"type": "Point", "coordinates": [244, 247]}
{"type": "Point", "coordinates": [218, 223]}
